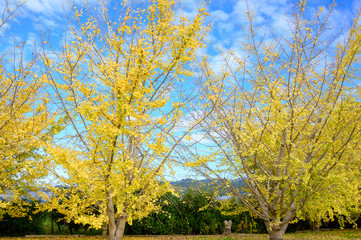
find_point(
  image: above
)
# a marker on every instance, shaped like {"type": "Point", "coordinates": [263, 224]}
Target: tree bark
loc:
{"type": "Point", "coordinates": [105, 230]}
{"type": "Point", "coordinates": [59, 227]}
{"type": "Point", "coordinates": [227, 227]}
{"type": "Point", "coordinates": [276, 234]}
{"type": "Point", "coordinates": [116, 231]}
{"type": "Point", "coordinates": [314, 225]}
{"type": "Point", "coordinates": [116, 221]}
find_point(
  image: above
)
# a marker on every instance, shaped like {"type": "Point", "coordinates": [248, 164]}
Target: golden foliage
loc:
{"type": "Point", "coordinates": [286, 120]}
{"type": "Point", "coordinates": [24, 124]}
{"type": "Point", "coordinates": [113, 81]}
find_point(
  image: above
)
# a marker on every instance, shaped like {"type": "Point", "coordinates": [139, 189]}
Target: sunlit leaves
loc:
{"type": "Point", "coordinates": [25, 129]}
{"type": "Point", "coordinates": [114, 81]}
{"type": "Point", "coordinates": [285, 120]}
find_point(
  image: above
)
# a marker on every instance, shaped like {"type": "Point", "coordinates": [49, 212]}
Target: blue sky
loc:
{"type": "Point", "coordinates": [49, 17]}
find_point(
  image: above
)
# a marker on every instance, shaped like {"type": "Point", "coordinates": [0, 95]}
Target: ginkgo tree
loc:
{"type": "Point", "coordinates": [286, 120]}
{"type": "Point", "coordinates": [338, 199]}
{"type": "Point", "coordinates": [117, 81]}
{"type": "Point", "coordinates": [24, 123]}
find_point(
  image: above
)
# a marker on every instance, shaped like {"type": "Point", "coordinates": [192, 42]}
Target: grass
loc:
{"type": "Point", "coordinates": [325, 235]}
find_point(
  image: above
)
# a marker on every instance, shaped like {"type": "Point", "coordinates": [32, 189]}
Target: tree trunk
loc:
{"type": "Point", "coordinates": [70, 228]}
{"type": "Point", "coordinates": [314, 225]}
{"type": "Point", "coordinates": [277, 232]}
{"type": "Point", "coordinates": [276, 228]}
{"type": "Point", "coordinates": [52, 226]}
{"type": "Point", "coordinates": [227, 227]}
{"type": "Point", "coordinates": [105, 230]}
{"type": "Point", "coordinates": [116, 231]}
{"type": "Point", "coordinates": [116, 221]}
{"type": "Point", "coordinates": [59, 227]}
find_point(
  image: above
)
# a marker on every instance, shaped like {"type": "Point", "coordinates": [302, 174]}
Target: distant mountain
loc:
{"type": "Point", "coordinates": [205, 185]}
{"type": "Point", "coordinates": [180, 186]}
{"type": "Point", "coordinates": [188, 182]}
{"type": "Point", "coordinates": [30, 194]}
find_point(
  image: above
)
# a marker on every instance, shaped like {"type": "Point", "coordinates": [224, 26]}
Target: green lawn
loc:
{"type": "Point", "coordinates": [327, 235]}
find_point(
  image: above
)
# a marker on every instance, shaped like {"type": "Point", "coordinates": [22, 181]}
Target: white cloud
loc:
{"type": "Point", "coordinates": [272, 13]}
{"type": "Point", "coordinates": [48, 23]}
{"type": "Point", "coordinates": [190, 5]}
{"type": "Point", "coordinates": [46, 7]}
{"type": "Point", "coordinates": [281, 23]}
{"type": "Point", "coordinates": [239, 12]}
{"type": "Point", "coordinates": [216, 62]}
{"type": "Point", "coordinates": [31, 44]}
{"type": "Point", "coordinates": [50, 13]}
{"type": "Point", "coordinates": [220, 15]}
{"type": "Point", "coordinates": [50, 7]}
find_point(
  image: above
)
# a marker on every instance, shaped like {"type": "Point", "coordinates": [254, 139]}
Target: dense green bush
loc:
{"type": "Point", "coordinates": [37, 223]}
{"type": "Point", "coordinates": [20, 226]}
{"type": "Point", "coordinates": [202, 214]}
{"type": "Point", "coordinates": [195, 212]}
{"type": "Point", "coordinates": [170, 220]}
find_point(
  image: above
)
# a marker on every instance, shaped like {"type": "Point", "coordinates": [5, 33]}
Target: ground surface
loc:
{"type": "Point", "coordinates": [327, 235]}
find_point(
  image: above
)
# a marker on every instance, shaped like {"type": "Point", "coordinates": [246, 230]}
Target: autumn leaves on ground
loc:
{"type": "Point", "coordinates": [96, 117]}
{"type": "Point", "coordinates": [325, 235]}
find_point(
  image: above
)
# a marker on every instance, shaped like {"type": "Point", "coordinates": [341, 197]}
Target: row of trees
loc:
{"type": "Point", "coordinates": [108, 112]}
{"type": "Point", "coordinates": [194, 212]}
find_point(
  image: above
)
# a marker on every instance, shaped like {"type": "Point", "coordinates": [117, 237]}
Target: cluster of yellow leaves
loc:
{"type": "Point", "coordinates": [24, 130]}
{"type": "Point", "coordinates": [114, 85]}
{"type": "Point", "coordinates": [287, 124]}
